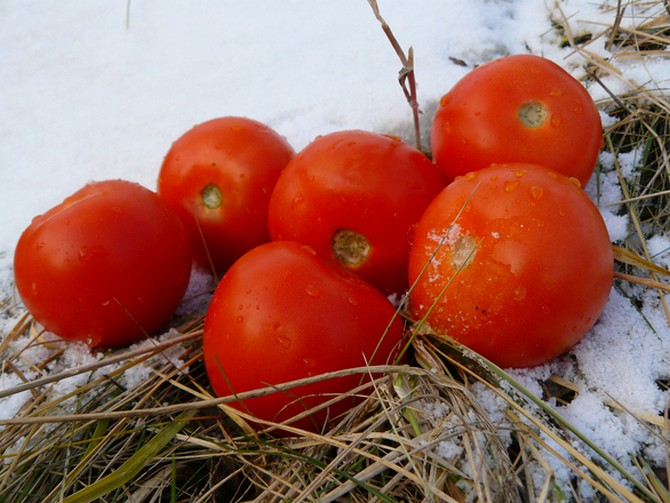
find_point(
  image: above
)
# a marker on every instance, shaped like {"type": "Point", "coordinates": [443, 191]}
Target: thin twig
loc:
{"type": "Point", "coordinates": [406, 75]}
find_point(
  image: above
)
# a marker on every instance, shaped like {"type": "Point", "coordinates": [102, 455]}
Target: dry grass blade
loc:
{"type": "Point", "coordinates": [519, 399]}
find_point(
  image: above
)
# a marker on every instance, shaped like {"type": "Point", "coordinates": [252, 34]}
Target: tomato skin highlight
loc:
{"type": "Point", "coordinates": [519, 108]}
{"type": "Point", "coordinates": [218, 176]}
{"type": "Point", "coordinates": [107, 266]}
{"type": "Point", "coordinates": [526, 265]}
{"type": "Point", "coordinates": [355, 197]}
{"type": "Point", "coordinates": [282, 313]}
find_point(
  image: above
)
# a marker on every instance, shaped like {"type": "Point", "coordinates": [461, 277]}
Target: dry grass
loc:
{"type": "Point", "coordinates": [642, 129]}
{"type": "Point", "coordinates": [422, 433]}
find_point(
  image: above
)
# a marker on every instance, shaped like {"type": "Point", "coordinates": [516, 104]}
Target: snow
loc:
{"type": "Point", "coordinates": [99, 89]}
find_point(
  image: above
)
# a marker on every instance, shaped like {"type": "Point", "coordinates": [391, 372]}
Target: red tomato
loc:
{"type": "Point", "coordinates": [523, 264]}
{"type": "Point", "coordinates": [355, 196]}
{"type": "Point", "coordinates": [520, 108]}
{"type": "Point", "coordinates": [282, 313]}
{"type": "Point", "coordinates": [107, 266]}
{"type": "Point", "coordinates": [219, 176]}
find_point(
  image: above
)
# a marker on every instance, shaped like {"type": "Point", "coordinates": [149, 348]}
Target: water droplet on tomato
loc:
{"type": "Point", "coordinates": [284, 342]}
{"type": "Point", "coordinates": [33, 289]}
{"type": "Point", "coordinates": [309, 363]}
{"type": "Point", "coordinates": [470, 175]}
{"type": "Point", "coordinates": [444, 100]}
{"type": "Point", "coordinates": [308, 249]}
{"type": "Point", "coordinates": [39, 245]}
{"type": "Point", "coordinates": [236, 127]}
{"type": "Point", "coordinates": [91, 252]}
{"type": "Point", "coordinates": [511, 185]}
{"type": "Point", "coordinates": [576, 182]}
{"type": "Point", "coordinates": [555, 93]}
{"type": "Point", "coordinates": [555, 120]}
{"type": "Point", "coordinates": [239, 319]}
{"type": "Point", "coordinates": [520, 293]}
{"type": "Point", "coordinates": [312, 290]}
{"type": "Point", "coordinates": [299, 199]}
{"type": "Point", "coordinates": [536, 192]}
{"type": "Point", "coordinates": [352, 301]}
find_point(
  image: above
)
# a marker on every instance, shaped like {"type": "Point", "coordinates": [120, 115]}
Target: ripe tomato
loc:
{"type": "Point", "coordinates": [107, 266]}
{"type": "Point", "coordinates": [523, 264]}
{"type": "Point", "coordinates": [520, 108]}
{"type": "Point", "coordinates": [355, 196]}
{"type": "Point", "coordinates": [218, 177]}
{"type": "Point", "coordinates": [282, 313]}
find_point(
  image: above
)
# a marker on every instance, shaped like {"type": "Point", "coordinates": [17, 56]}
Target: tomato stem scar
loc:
{"type": "Point", "coordinates": [532, 114]}
{"type": "Point", "coordinates": [211, 196]}
{"type": "Point", "coordinates": [350, 248]}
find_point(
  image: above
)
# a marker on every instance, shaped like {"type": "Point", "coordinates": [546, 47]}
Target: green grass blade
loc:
{"type": "Point", "coordinates": [130, 468]}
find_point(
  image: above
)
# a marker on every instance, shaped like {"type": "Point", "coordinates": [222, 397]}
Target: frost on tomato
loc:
{"type": "Point", "coordinates": [520, 108]}
{"type": "Point", "coordinates": [107, 266]}
{"type": "Point", "coordinates": [281, 313]}
{"type": "Point", "coordinates": [513, 261]}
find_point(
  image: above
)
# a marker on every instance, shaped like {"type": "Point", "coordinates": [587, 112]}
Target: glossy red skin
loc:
{"type": "Point", "coordinates": [243, 157]}
{"type": "Point", "coordinates": [541, 269]}
{"type": "Point", "coordinates": [375, 185]}
{"type": "Point", "coordinates": [476, 123]}
{"type": "Point", "coordinates": [107, 266]}
{"type": "Point", "coordinates": [282, 313]}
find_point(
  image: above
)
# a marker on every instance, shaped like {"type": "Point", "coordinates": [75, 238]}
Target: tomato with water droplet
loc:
{"type": "Point", "coordinates": [520, 275]}
{"type": "Point", "coordinates": [218, 176]}
{"type": "Point", "coordinates": [107, 266]}
{"type": "Point", "coordinates": [519, 108]}
{"type": "Point", "coordinates": [315, 316]}
{"type": "Point", "coordinates": [355, 196]}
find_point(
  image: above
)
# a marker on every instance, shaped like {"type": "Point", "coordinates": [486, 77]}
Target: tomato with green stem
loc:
{"type": "Point", "coordinates": [218, 176]}
{"type": "Point", "coordinates": [107, 266]}
{"type": "Point", "coordinates": [282, 313]}
{"type": "Point", "coordinates": [513, 261]}
{"type": "Point", "coordinates": [519, 108]}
